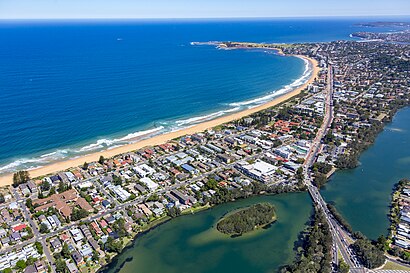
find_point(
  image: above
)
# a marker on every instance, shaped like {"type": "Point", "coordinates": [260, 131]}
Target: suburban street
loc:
{"type": "Point", "coordinates": [341, 239]}
{"type": "Point", "coordinates": [339, 242]}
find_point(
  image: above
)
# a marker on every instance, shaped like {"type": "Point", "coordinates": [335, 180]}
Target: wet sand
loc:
{"type": "Point", "coordinates": [160, 139]}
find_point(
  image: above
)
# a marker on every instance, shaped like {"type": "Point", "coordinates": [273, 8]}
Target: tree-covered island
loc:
{"type": "Point", "coordinates": [247, 219]}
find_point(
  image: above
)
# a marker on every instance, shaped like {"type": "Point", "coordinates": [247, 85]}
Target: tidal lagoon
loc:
{"type": "Point", "coordinates": [192, 244]}
{"type": "Point", "coordinates": [362, 195]}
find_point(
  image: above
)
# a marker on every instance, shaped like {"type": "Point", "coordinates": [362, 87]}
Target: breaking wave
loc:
{"type": "Point", "coordinates": [165, 126]}
{"type": "Point", "coordinates": [295, 84]}
{"type": "Point", "coordinates": [199, 119]}
{"type": "Point", "coordinates": [100, 145]}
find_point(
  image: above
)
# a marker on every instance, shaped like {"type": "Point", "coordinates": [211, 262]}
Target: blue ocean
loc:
{"type": "Point", "coordinates": [68, 88]}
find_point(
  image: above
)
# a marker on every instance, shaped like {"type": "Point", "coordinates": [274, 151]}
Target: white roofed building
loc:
{"type": "Point", "coordinates": [260, 170]}
{"type": "Point", "coordinates": [151, 185]}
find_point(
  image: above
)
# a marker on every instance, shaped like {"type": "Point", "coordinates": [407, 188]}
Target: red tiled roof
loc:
{"type": "Point", "coordinates": [84, 204]}
{"type": "Point", "coordinates": [19, 227]}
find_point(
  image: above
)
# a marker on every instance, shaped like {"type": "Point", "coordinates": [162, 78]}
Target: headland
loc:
{"type": "Point", "coordinates": [163, 138]}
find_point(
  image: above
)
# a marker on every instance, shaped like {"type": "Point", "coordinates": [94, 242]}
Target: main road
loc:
{"type": "Point", "coordinates": [340, 238]}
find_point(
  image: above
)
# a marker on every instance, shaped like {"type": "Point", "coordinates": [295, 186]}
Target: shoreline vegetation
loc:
{"type": "Point", "coordinates": [313, 249]}
{"type": "Point", "coordinates": [393, 244]}
{"type": "Point", "coordinates": [247, 219]}
{"type": "Point", "coordinates": [166, 137]}
{"type": "Point", "coordinates": [367, 135]}
{"type": "Point", "coordinates": [224, 196]}
{"type": "Point", "coordinates": [371, 254]}
{"type": "Point", "coordinates": [366, 138]}
{"type": "Point", "coordinates": [149, 227]}
{"type": "Point", "coordinates": [255, 190]}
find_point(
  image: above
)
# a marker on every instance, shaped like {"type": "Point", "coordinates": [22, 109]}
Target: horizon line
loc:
{"type": "Point", "coordinates": [207, 18]}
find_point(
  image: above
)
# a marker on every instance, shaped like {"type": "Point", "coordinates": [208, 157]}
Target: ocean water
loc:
{"type": "Point", "coordinates": [69, 88]}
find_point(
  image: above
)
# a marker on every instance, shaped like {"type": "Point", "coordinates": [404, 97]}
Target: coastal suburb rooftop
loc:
{"type": "Point", "coordinates": [80, 218]}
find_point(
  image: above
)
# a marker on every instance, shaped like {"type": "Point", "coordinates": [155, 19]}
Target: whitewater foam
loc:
{"type": "Point", "coordinates": [287, 88]}
{"type": "Point", "coordinates": [20, 162]}
{"type": "Point", "coordinates": [101, 144]}
{"type": "Point", "coordinates": [135, 135]}
{"type": "Point", "coordinates": [199, 119]}
{"type": "Point", "coordinates": [109, 143]}
{"type": "Point", "coordinates": [166, 126]}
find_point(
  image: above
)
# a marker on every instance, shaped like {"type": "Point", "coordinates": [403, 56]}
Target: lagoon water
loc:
{"type": "Point", "coordinates": [69, 88]}
{"type": "Point", "coordinates": [191, 244]}
{"type": "Point", "coordinates": [76, 87]}
{"type": "Point", "coordinates": [363, 194]}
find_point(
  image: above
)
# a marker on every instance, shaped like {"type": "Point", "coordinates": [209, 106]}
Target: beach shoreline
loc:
{"type": "Point", "coordinates": [7, 179]}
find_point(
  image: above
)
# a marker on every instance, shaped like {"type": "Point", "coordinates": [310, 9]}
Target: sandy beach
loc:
{"type": "Point", "coordinates": [156, 140]}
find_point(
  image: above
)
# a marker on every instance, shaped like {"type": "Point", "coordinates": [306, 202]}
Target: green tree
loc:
{"type": "Point", "coordinates": [31, 261]}
{"type": "Point", "coordinates": [39, 247]}
{"type": "Point", "coordinates": [21, 264]}
{"type": "Point", "coordinates": [132, 197]}
{"type": "Point", "coordinates": [45, 186]}
{"type": "Point", "coordinates": [40, 195]}
{"type": "Point", "coordinates": [101, 160]}
{"type": "Point", "coordinates": [212, 184]}
{"type": "Point", "coordinates": [96, 256]}
{"type": "Point", "coordinates": [343, 267]}
{"type": "Point", "coordinates": [113, 245]}
{"type": "Point", "coordinates": [29, 203]}
{"type": "Point", "coordinates": [382, 243]}
{"type": "Point", "coordinates": [43, 228]}
{"type": "Point", "coordinates": [284, 113]}
{"type": "Point", "coordinates": [247, 219]}
{"type": "Point", "coordinates": [61, 266]}
{"type": "Point", "coordinates": [65, 251]}
{"type": "Point", "coordinates": [322, 167]}
{"type": "Point", "coordinates": [62, 187]}
{"type": "Point", "coordinates": [174, 212]}
{"type": "Point", "coordinates": [52, 191]}
{"type": "Point", "coordinates": [20, 177]}
{"type": "Point", "coordinates": [85, 166]}
{"type": "Point", "coordinates": [320, 180]}
{"type": "Point", "coordinates": [369, 255]}
{"type": "Point", "coordinates": [315, 251]}
{"type": "Point", "coordinates": [339, 217]}
{"type": "Point", "coordinates": [116, 180]}
{"type": "Point", "coordinates": [153, 197]}
{"type": "Point", "coordinates": [349, 161]}
{"type": "Point", "coordinates": [119, 227]}
{"type": "Point", "coordinates": [78, 214]}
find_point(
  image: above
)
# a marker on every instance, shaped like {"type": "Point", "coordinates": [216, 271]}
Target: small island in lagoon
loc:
{"type": "Point", "coordinates": [247, 219]}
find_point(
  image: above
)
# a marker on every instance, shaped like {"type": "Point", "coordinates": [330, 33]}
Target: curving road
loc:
{"type": "Point", "coordinates": [340, 238]}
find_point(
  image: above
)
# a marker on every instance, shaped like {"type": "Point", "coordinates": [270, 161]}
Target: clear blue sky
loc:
{"type": "Point", "coordinates": [12, 9]}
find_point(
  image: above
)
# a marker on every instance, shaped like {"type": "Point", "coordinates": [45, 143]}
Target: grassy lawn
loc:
{"type": "Point", "coordinates": [127, 241]}
{"type": "Point", "coordinates": [197, 209]}
{"type": "Point", "coordinates": [93, 268]}
{"type": "Point", "coordinates": [155, 222]}
{"type": "Point", "coordinates": [349, 240]}
{"type": "Point", "coordinates": [393, 266]}
{"type": "Point", "coordinates": [339, 255]}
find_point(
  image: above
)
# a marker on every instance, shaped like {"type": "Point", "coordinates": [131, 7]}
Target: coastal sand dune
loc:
{"type": "Point", "coordinates": [156, 140]}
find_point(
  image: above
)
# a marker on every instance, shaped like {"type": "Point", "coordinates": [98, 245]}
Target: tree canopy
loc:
{"type": "Point", "coordinates": [247, 219]}
{"type": "Point", "coordinates": [315, 254]}
{"type": "Point", "coordinates": [20, 177]}
{"type": "Point", "coordinates": [368, 254]}
{"type": "Point", "coordinates": [78, 214]}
